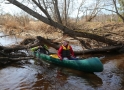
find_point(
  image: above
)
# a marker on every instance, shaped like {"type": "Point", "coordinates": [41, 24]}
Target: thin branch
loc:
{"type": "Point", "coordinates": [6, 35]}
{"type": "Point", "coordinates": [42, 9]}
{"type": "Point", "coordinates": [79, 10]}
{"type": "Point", "coordinates": [114, 1]}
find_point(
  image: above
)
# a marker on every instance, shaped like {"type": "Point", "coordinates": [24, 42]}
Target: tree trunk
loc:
{"type": "Point", "coordinates": [115, 4]}
{"type": "Point", "coordinates": [15, 59]}
{"type": "Point", "coordinates": [44, 41]}
{"type": "Point", "coordinates": [100, 50]}
{"type": "Point", "coordinates": [56, 10]}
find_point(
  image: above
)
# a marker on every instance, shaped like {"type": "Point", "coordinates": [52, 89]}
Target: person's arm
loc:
{"type": "Point", "coordinates": [72, 52]}
{"type": "Point", "coordinates": [34, 48]}
{"type": "Point", "coordinates": [47, 51]}
{"type": "Point", "coordinates": [59, 53]}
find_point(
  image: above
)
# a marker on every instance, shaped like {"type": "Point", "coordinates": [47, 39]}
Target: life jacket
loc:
{"type": "Point", "coordinates": [66, 51]}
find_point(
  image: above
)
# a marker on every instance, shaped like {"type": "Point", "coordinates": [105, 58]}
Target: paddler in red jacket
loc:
{"type": "Point", "coordinates": [66, 50]}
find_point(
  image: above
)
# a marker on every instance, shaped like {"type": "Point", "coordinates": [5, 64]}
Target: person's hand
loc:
{"type": "Point", "coordinates": [60, 58]}
{"type": "Point", "coordinates": [73, 56]}
{"type": "Point", "coordinates": [39, 46]}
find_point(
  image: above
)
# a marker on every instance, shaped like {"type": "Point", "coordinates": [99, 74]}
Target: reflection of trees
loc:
{"type": "Point", "coordinates": [82, 77]}
{"type": "Point", "coordinates": [50, 79]}
{"type": "Point", "coordinates": [58, 79]}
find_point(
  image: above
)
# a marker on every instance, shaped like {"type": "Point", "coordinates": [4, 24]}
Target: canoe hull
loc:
{"type": "Point", "coordinates": [86, 65]}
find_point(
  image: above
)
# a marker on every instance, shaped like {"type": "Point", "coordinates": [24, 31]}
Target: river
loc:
{"type": "Point", "coordinates": [34, 75]}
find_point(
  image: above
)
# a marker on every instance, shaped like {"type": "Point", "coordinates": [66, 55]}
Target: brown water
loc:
{"type": "Point", "coordinates": [30, 75]}
{"type": "Point", "coordinates": [33, 75]}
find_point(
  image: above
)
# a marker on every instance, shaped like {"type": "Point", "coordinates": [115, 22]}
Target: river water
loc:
{"type": "Point", "coordinates": [35, 75]}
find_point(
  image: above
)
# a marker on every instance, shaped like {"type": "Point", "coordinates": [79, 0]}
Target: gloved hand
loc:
{"type": "Point", "coordinates": [60, 58]}
{"type": "Point", "coordinates": [39, 46]}
{"type": "Point", "coordinates": [73, 56]}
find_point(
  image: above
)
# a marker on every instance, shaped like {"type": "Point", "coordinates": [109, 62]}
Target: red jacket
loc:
{"type": "Point", "coordinates": [65, 47]}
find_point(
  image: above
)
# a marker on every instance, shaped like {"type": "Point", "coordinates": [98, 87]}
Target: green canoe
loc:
{"type": "Point", "coordinates": [86, 65]}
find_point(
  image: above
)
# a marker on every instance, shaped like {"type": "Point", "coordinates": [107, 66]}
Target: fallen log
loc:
{"type": "Point", "coordinates": [100, 50]}
{"type": "Point", "coordinates": [21, 58]}
{"type": "Point", "coordinates": [40, 41]}
{"type": "Point", "coordinates": [44, 41]}
{"type": "Point", "coordinates": [89, 51]}
{"type": "Point", "coordinates": [15, 59]}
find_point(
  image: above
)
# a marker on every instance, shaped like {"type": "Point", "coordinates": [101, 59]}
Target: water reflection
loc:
{"type": "Point", "coordinates": [113, 73]}
{"type": "Point", "coordinates": [89, 78]}
{"type": "Point", "coordinates": [6, 41]}
{"type": "Point", "coordinates": [12, 78]}
{"type": "Point", "coordinates": [38, 76]}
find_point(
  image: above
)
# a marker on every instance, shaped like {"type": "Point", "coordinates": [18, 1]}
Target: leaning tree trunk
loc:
{"type": "Point", "coordinates": [65, 30]}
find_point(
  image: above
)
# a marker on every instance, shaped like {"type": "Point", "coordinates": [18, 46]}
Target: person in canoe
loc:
{"type": "Point", "coordinates": [66, 50]}
{"type": "Point", "coordinates": [41, 49]}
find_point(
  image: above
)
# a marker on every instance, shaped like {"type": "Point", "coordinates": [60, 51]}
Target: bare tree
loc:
{"type": "Point", "coordinates": [48, 20]}
{"type": "Point", "coordinates": [79, 9]}
{"type": "Point", "coordinates": [56, 10]}
{"type": "Point", "coordinates": [121, 9]}
{"type": "Point", "coordinates": [116, 9]}
{"type": "Point", "coordinates": [93, 11]}
{"type": "Point", "coordinates": [65, 11]}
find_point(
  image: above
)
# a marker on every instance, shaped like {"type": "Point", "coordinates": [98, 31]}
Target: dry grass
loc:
{"type": "Point", "coordinates": [30, 27]}
{"type": "Point", "coordinates": [25, 27]}
{"type": "Point", "coordinates": [11, 24]}
{"type": "Point", "coordinates": [17, 22]}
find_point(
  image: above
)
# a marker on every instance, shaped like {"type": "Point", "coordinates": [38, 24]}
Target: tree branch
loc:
{"type": "Point", "coordinates": [42, 9]}
{"type": "Point", "coordinates": [114, 1]}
